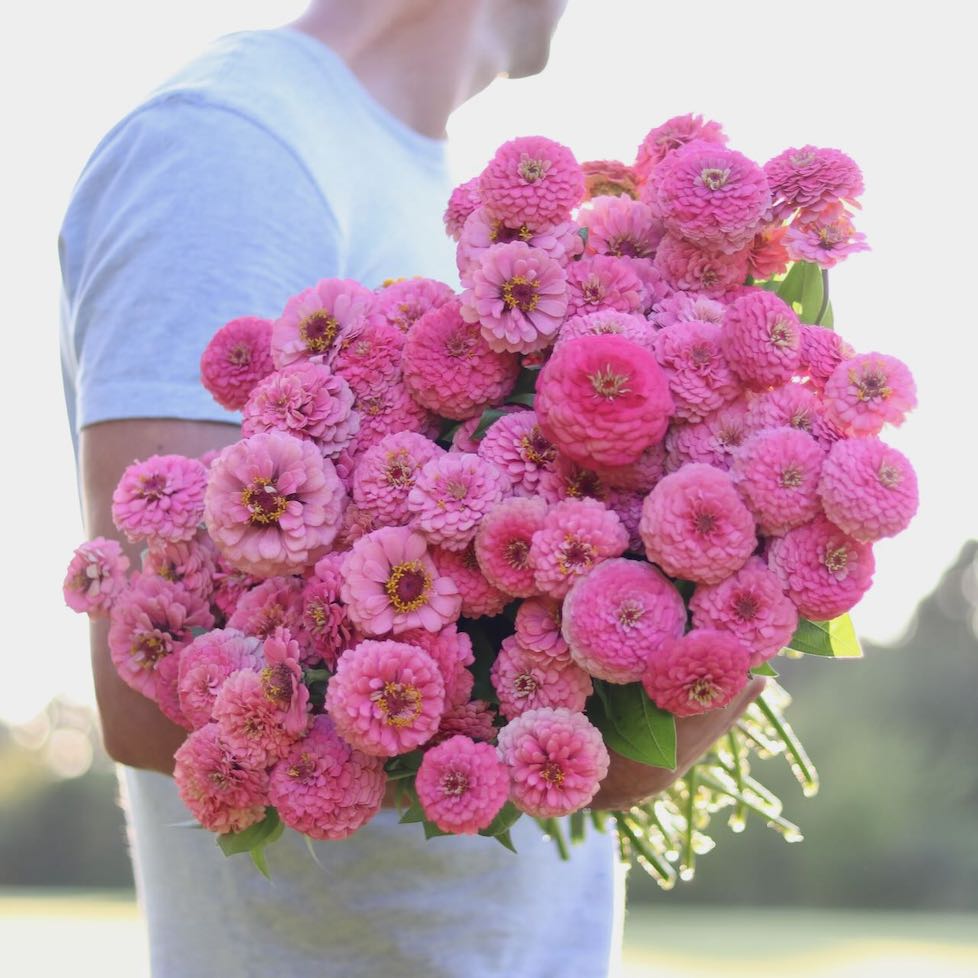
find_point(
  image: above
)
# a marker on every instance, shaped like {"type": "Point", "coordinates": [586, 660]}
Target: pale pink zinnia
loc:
{"type": "Point", "coordinates": [371, 360]}
{"type": "Point", "coordinates": [96, 576]}
{"type": "Point", "coordinates": [451, 650]}
{"type": "Point", "coordinates": [519, 448]}
{"type": "Point", "coordinates": [822, 350]}
{"type": "Point", "coordinates": [700, 379]}
{"type": "Point", "coordinates": [526, 680]}
{"type": "Point", "coordinates": [403, 303]}
{"type": "Point", "coordinates": [461, 202]}
{"type": "Point", "coordinates": [238, 356]}
{"type": "Point", "coordinates": [386, 698]}
{"type": "Point", "coordinates": [868, 391]}
{"type": "Point", "coordinates": [695, 525]}
{"type": "Point", "coordinates": [391, 584]}
{"type": "Point", "coordinates": [617, 616]}
{"type": "Point", "coordinates": [752, 606]}
{"type": "Point", "coordinates": [538, 626]}
{"type": "Point", "coordinates": [673, 134]}
{"type": "Point", "coordinates": [503, 542]}
{"type": "Point", "coordinates": [272, 604]}
{"type": "Point", "coordinates": [825, 239]}
{"type": "Point", "coordinates": [621, 226]}
{"type": "Point", "coordinates": [793, 406]}
{"type": "Point", "coordinates": [161, 497]}
{"type": "Point", "coordinates": [273, 504]}
{"type": "Point", "coordinates": [599, 283]}
{"type": "Point", "coordinates": [518, 296]}
{"type": "Point", "coordinates": [683, 307]}
{"type": "Point", "coordinates": [190, 563]}
{"type": "Point", "coordinates": [462, 785]}
{"type": "Point", "coordinates": [603, 400]}
{"type": "Point", "coordinates": [761, 340]}
{"type": "Point", "coordinates": [204, 665]}
{"type": "Point", "coordinates": [701, 671]}
{"type": "Point", "coordinates": [556, 760]}
{"type": "Point", "coordinates": [479, 597]}
{"type": "Point", "coordinates": [688, 267]}
{"type": "Point", "coordinates": [608, 321]}
{"type": "Point", "coordinates": [473, 720]}
{"type": "Point", "coordinates": [811, 178]}
{"type": "Point", "coordinates": [712, 440]}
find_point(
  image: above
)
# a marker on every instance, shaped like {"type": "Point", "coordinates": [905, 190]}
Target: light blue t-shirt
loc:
{"type": "Point", "coordinates": [259, 169]}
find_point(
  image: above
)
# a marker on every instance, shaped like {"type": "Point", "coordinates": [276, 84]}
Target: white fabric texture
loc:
{"type": "Point", "coordinates": [260, 168]}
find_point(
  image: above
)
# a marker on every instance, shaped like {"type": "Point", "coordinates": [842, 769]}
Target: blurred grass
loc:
{"type": "Point", "coordinates": [98, 934]}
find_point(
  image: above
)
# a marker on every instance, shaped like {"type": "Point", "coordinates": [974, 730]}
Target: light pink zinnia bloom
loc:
{"type": "Point", "coordinates": [229, 585]}
{"type": "Point", "coordinates": [655, 288]}
{"type": "Point", "coordinates": [538, 626]}
{"type": "Point", "coordinates": [238, 356]}
{"type": "Point", "coordinates": [273, 504]}
{"type": "Point", "coordinates": [167, 691]}
{"type": "Point", "coordinates": [684, 307]}
{"type": "Point", "coordinates": [525, 680]}
{"type": "Point", "coordinates": [793, 406]}
{"type": "Point", "coordinates": [577, 534]}
{"type": "Point", "coordinates": [712, 440]}
{"type": "Point", "coordinates": [868, 489]}
{"type": "Point", "coordinates": [325, 623]}
{"type": "Point", "coordinates": [617, 616]}
{"type": "Point", "coordinates": [777, 473]}
{"type": "Point", "coordinates": [517, 446]}
{"type": "Point", "coordinates": [690, 268]}
{"type": "Point", "coordinates": [568, 480]}
{"type": "Point", "coordinates": [392, 409]}
{"type": "Point", "coordinates": [323, 787]}
{"type": "Point", "coordinates": [372, 359]}
{"type": "Point", "coordinates": [695, 525]}
{"type": "Point", "coordinates": [449, 367]}
{"type": "Point", "coordinates": [317, 321]}
{"type": "Point", "coordinates": [531, 180]}
{"type": "Point", "coordinates": [190, 563]}
{"type": "Point", "coordinates": [160, 498]}
{"type": "Point", "coordinates": [608, 321]}
{"type": "Point", "coordinates": [603, 283]}
{"type": "Point", "coordinates": [603, 400]}
{"type": "Point", "coordinates": [274, 603]}
{"type": "Point", "coordinates": [761, 340]}
{"type": "Point", "coordinates": [150, 620]}
{"type": "Point", "coordinates": [305, 400]}
{"type": "Point", "coordinates": [824, 571]}
{"type": "Point", "coordinates": [620, 226]}
{"type": "Point", "coordinates": [391, 584]}
{"type": "Point", "coordinates": [518, 295]}
{"type": "Point", "coordinates": [451, 650]}
{"type": "Point", "coordinates": [556, 760]}
{"type": "Point", "coordinates": [451, 495]}
{"type": "Point", "coordinates": [462, 785]}
{"type": "Point", "coordinates": [204, 665]}
{"type": "Point", "coordinates": [822, 350]}
{"type": "Point", "coordinates": [473, 720]}
{"type": "Point", "coordinates": [672, 135]}
{"type": "Point", "coordinates": [96, 576]}
{"type": "Point", "coordinates": [640, 476]}
{"type": "Point", "coordinates": [503, 542]}
{"type": "Point", "coordinates": [811, 179]}
{"type": "Point", "coordinates": [404, 302]}
{"type": "Point", "coordinates": [825, 239]}
{"type": "Point", "coordinates": [609, 178]}
{"type": "Point", "coordinates": [867, 391]}
{"type": "Point", "coordinates": [461, 202]}
{"type": "Point", "coordinates": [751, 605]}
{"type": "Point", "coordinates": [223, 794]}
{"type": "Point", "coordinates": [479, 597]}
{"type": "Point", "coordinates": [386, 698]}
{"type": "Point", "coordinates": [701, 671]}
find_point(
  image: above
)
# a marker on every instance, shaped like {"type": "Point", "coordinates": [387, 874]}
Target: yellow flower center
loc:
{"type": "Point", "coordinates": [400, 704]}
{"type": "Point", "coordinates": [263, 501]}
{"type": "Point", "coordinates": [318, 331]}
{"type": "Point", "coordinates": [552, 773]}
{"type": "Point", "coordinates": [609, 384]}
{"type": "Point", "coordinates": [520, 293]}
{"type": "Point", "coordinates": [408, 586]}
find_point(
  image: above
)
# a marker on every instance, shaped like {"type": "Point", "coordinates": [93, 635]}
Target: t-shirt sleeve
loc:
{"type": "Point", "coordinates": [188, 215]}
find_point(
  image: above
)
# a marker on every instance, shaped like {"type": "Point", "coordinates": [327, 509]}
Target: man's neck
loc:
{"type": "Point", "coordinates": [420, 60]}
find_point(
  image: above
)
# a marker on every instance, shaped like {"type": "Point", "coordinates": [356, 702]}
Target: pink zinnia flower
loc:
{"type": "Point", "coordinates": [503, 543]}
{"type": "Point", "coordinates": [777, 473]}
{"type": "Point", "coordinates": [167, 691]}
{"type": "Point", "coordinates": [556, 760]}
{"type": "Point", "coordinates": [190, 563]}
{"type": "Point", "coordinates": [824, 571]}
{"type": "Point", "coordinates": [150, 620]}
{"type": "Point", "coordinates": [391, 584]}
{"type": "Point", "coordinates": [712, 440]}
{"type": "Point", "coordinates": [273, 504]}
{"type": "Point", "coordinates": [462, 785]}
{"type": "Point", "coordinates": [867, 391]}
{"type": "Point", "coordinates": [761, 340]}
{"type": "Point", "coordinates": [449, 367]}
{"type": "Point", "coordinates": [372, 359]}
{"type": "Point", "coordinates": [317, 321]}
{"type": "Point", "coordinates": [822, 350]}
{"type": "Point", "coordinates": [811, 178]}
{"type": "Point", "coordinates": [531, 180]}
{"type": "Point", "coordinates": [517, 446]}
{"type": "Point", "coordinates": [204, 665]}
{"type": "Point", "coordinates": [461, 202]}
{"type": "Point", "coordinates": [403, 303]}
{"type": "Point", "coordinates": [603, 283]}
{"type": "Point", "coordinates": [451, 650]}
{"type": "Point", "coordinates": [695, 525]}
{"type": "Point", "coordinates": [518, 295]}
{"type": "Point", "coordinates": [525, 680]}
{"type": "Point", "coordinates": [700, 379]}
{"type": "Point", "coordinates": [577, 534]}
{"type": "Point", "coordinates": [238, 356]}
{"type": "Point", "coordinates": [96, 576]}
{"type": "Point", "coordinates": [479, 597]}
{"type": "Point", "coordinates": [684, 307]}
{"type": "Point", "coordinates": [690, 268]}
{"type": "Point", "coordinates": [229, 585]}
{"type": "Point", "coordinates": [868, 489]}
{"type": "Point", "coordinates": [568, 480]}
{"type": "Point", "coordinates": [825, 239]}
{"type": "Point", "coordinates": [473, 720]}
{"type": "Point", "coordinates": [620, 226]}
{"type": "Point", "coordinates": [752, 606]}
{"type": "Point", "coordinates": [223, 794]}
{"type": "Point", "coordinates": [325, 623]}
{"type": "Point", "coordinates": [793, 406]}
{"type": "Point", "coordinates": [655, 288]}
{"type": "Point", "coordinates": [603, 400]}
{"type": "Point", "coordinates": [608, 321]}
{"type": "Point", "coordinates": [609, 178]}
{"type": "Point", "coordinates": [617, 616]}
{"type": "Point", "coordinates": [274, 603]}
{"type": "Point", "coordinates": [671, 136]}
{"type": "Point", "coordinates": [451, 495]}
{"type": "Point", "coordinates": [323, 787]}
{"type": "Point", "coordinates": [640, 476]}
{"type": "Point", "coordinates": [160, 498]}
{"type": "Point", "coordinates": [701, 671]}
{"type": "Point", "coordinates": [768, 254]}
{"type": "Point", "coordinates": [386, 698]}
{"type": "Point", "coordinates": [305, 400]}
{"type": "Point", "coordinates": [538, 626]}
{"type": "Point", "coordinates": [389, 410]}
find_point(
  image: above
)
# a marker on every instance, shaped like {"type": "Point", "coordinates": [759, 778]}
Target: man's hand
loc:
{"type": "Point", "coordinates": [133, 729]}
{"type": "Point", "coordinates": [629, 783]}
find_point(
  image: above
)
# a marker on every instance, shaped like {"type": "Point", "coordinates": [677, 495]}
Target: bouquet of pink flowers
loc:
{"type": "Point", "coordinates": [470, 542]}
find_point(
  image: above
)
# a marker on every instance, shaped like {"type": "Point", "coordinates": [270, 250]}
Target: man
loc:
{"type": "Point", "coordinates": [274, 160]}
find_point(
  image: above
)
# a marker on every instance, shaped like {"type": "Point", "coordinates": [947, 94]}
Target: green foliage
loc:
{"type": "Point", "coordinates": [836, 638]}
{"type": "Point", "coordinates": [764, 669]}
{"type": "Point", "coordinates": [633, 725]}
{"type": "Point", "coordinates": [254, 839]}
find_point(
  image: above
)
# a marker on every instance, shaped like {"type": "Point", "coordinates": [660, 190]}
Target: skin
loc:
{"type": "Point", "coordinates": [420, 59]}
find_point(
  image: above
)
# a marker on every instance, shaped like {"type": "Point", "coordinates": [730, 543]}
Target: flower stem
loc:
{"type": "Point", "coordinates": [825, 297]}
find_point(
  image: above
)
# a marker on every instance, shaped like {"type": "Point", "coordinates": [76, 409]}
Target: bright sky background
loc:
{"type": "Point", "coordinates": [893, 91]}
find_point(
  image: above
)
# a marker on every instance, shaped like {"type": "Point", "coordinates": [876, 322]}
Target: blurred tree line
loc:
{"type": "Point", "coordinates": [894, 824]}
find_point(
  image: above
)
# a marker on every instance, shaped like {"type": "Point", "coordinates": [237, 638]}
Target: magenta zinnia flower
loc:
{"type": "Point", "coordinates": [793, 406]}
{"type": "Point", "coordinates": [526, 680]}
{"type": "Point", "coordinates": [672, 135]}
{"type": "Point", "coordinates": [602, 283]}
{"type": "Point", "coordinates": [451, 651]}
{"type": "Point", "coordinates": [822, 350]}
{"type": "Point", "coordinates": [811, 178]}
{"type": "Point", "coordinates": [204, 665]}
{"type": "Point", "coordinates": [867, 391]}
{"type": "Point", "coordinates": [160, 498]}
{"type": "Point", "coordinates": [518, 447]}
{"type": "Point", "coordinates": [371, 360]}
{"type": "Point", "coordinates": [238, 356]}
{"type": "Point", "coordinates": [712, 440]}
{"type": "Point", "coordinates": [700, 379]}
{"type": "Point", "coordinates": [479, 597]}
{"type": "Point", "coordinates": [538, 624]}
{"type": "Point", "coordinates": [503, 542]}
{"type": "Point", "coordinates": [403, 303]}
{"type": "Point", "coordinates": [96, 576]}
{"type": "Point", "coordinates": [461, 202]}
{"type": "Point", "coordinates": [761, 339]}
{"type": "Point", "coordinates": [608, 321]}
{"type": "Point", "coordinates": [620, 226]}
{"type": "Point", "coordinates": [688, 267]}
{"type": "Point", "coordinates": [825, 239]}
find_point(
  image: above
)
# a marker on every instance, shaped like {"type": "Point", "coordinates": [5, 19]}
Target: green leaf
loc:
{"type": "Point", "coordinates": [310, 676]}
{"type": "Point", "coordinates": [489, 417]}
{"type": "Point", "coordinates": [812, 292]}
{"type": "Point", "coordinates": [413, 814]}
{"type": "Point", "coordinates": [529, 398]}
{"type": "Point", "coordinates": [258, 858]}
{"type": "Point", "coordinates": [504, 820]}
{"type": "Point", "coordinates": [505, 840]}
{"type": "Point", "coordinates": [828, 320]}
{"type": "Point", "coordinates": [432, 831]}
{"type": "Point", "coordinates": [790, 287]}
{"type": "Point", "coordinates": [259, 834]}
{"type": "Point", "coordinates": [634, 726]}
{"type": "Point", "coordinates": [836, 638]}
{"type": "Point", "coordinates": [526, 382]}
{"type": "Point", "coordinates": [764, 669]}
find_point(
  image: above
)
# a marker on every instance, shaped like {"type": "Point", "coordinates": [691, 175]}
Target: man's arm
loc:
{"type": "Point", "coordinates": [134, 731]}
